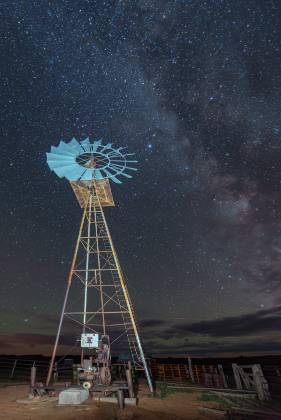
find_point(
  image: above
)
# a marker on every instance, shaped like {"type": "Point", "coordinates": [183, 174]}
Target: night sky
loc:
{"type": "Point", "coordinates": [194, 89]}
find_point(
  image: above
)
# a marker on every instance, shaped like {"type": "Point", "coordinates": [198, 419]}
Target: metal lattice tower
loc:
{"type": "Point", "coordinates": [103, 305]}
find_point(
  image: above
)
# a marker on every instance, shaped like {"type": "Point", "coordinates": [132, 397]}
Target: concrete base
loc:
{"type": "Point", "coordinates": [73, 396]}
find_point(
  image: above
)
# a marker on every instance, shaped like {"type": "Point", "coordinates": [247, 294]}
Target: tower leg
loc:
{"type": "Point", "coordinates": [50, 371]}
{"type": "Point", "coordinates": [127, 300]}
{"type": "Point", "coordinates": [65, 301]}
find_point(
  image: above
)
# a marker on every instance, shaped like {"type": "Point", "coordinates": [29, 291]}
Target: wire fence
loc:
{"type": "Point", "coordinates": [17, 370]}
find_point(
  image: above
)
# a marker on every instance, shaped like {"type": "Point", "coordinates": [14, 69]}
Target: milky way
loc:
{"type": "Point", "coordinates": [193, 88]}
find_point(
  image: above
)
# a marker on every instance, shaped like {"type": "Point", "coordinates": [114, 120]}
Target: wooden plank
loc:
{"type": "Point", "coordinates": [221, 372]}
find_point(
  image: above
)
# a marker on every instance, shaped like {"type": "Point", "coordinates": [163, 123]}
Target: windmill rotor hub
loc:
{"type": "Point", "coordinates": [93, 160]}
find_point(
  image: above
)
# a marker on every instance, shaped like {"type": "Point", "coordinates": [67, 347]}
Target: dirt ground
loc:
{"type": "Point", "coordinates": [177, 406]}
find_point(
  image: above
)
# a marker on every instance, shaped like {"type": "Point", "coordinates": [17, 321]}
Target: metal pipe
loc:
{"type": "Point", "coordinates": [130, 383]}
{"type": "Point", "coordinates": [120, 398]}
{"type": "Point", "coordinates": [57, 336]}
{"type": "Point", "coordinates": [87, 264]}
{"type": "Point", "coordinates": [98, 255]}
{"type": "Point", "coordinates": [32, 380]}
{"type": "Point", "coordinates": [87, 270]}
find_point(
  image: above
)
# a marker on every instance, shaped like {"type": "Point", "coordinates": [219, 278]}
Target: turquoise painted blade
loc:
{"type": "Point", "coordinates": [94, 146]}
{"type": "Point", "coordinates": [59, 172]}
{"type": "Point", "coordinates": [122, 160]}
{"type": "Point", "coordinates": [87, 175]}
{"type": "Point", "coordinates": [106, 146]}
{"type": "Point", "coordinates": [132, 169]}
{"type": "Point", "coordinates": [59, 152]}
{"type": "Point", "coordinates": [65, 147]}
{"type": "Point", "coordinates": [126, 175]}
{"type": "Point", "coordinates": [54, 156]}
{"type": "Point", "coordinates": [116, 167]}
{"type": "Point", "coordinates": [85, 146]}
{"type": "Point", "coordinates": [73, 174]}
{"type": "Point", "coordinates": [129, 154]}
{"type": "Point", "coordinates": [113, 154]}
{"type": "Point", "coordinates": [73, 142]}
{"type": "Point", "coordinates": [61, 162]}
{"type": "Point", "coordinates": [85, 142]}
{"type": "Point", "coordinates": [111, 176]}
{"type": "Point", "coordinates": [54, 165]}
{"type": "Point", "coordinates": [76, 146]}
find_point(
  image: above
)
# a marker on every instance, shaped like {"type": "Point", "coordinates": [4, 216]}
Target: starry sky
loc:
{"type": "Point", "coordinates": [192, 87]}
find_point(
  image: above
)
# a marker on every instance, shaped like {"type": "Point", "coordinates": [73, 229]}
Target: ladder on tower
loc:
{"type": "Point", "coordinates": [127, 311]}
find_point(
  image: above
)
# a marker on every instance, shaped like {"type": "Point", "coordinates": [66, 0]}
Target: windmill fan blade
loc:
{"type": "Point", "coordinates": [54, 165]}
{"type": "Point", "coordinates": [56, 156]}
{"type": "Point", "coordinates": [85, 143]}
{"type": "Point", "coordinates": [58, 152]}
{"type": "Point", "coordinates": [107, 146]}
{"type": "Point", "coordinates": [132, 169]}
{"type": "Point", "coordinates": [121, 161]}
{"type": "Point", "coordinates": [65, 147]}
{"type": "Point", "coordinates": [76, 147]}
{"type": "Point", "coordinates": [87, 175]}
{"type": "Point", "coordinates": [111, 176]}
{"type": "Point", "coordinates": [94, 147]}
{"type": "Point", "coordinates": [126, 175]}
{"type": "Point", "coordinates": [74, 174]}
{"type": "Point", "coordinates": [73, 142]}
{"type": "Point", "coordinates": [60, 158]}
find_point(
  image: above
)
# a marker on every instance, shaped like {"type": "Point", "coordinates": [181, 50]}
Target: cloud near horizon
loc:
{"type": "Point", "coordinates": [162, 337]}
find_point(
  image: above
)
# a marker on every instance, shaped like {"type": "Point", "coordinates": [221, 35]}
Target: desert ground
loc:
{"type": "Point", "coordinates": [177, 406]}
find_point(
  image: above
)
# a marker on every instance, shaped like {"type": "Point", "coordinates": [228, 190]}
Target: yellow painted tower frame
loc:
{"type": "Point", "coordinates": [106, 307]}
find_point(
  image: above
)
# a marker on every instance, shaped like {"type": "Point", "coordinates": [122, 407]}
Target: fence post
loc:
{"type": "Point", "coordinates": [179, 370]}
{"type": "Point", "coordinates": [13, 369]}
{"type": "Point", "coordinates": [221, 372]}
{"type": "Point", "coordinates": [130, 383]}
{"type": "Point", "coordinates": [190, 369]}
{"type": "Point", "coordinates": [197, 376]}
{"type": "Point", "coordinates": [56, 372]}
{"type": "Point", "coordinates": [260, 382]}
{"type": "Point", "coordinates": [120, 398]}
{"type": "Point", "coordinates": [236, 376]}
{"type": "Point", "coordinates": [32, 380]}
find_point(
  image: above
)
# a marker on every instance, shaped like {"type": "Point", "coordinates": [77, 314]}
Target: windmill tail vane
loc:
{"type": "Point", "coordinates": [86, 160]}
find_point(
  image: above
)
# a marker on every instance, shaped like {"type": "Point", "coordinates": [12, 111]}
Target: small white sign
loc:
{"type": "Point", "coordinates": [90, 341]}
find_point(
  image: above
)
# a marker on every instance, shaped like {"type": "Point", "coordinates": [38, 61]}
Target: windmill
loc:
{"type": "Point", "coordinates": [102, 312]}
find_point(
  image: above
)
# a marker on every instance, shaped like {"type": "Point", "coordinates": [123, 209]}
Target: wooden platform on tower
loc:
{"type": "Point", "coordinates": [81, 192]}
